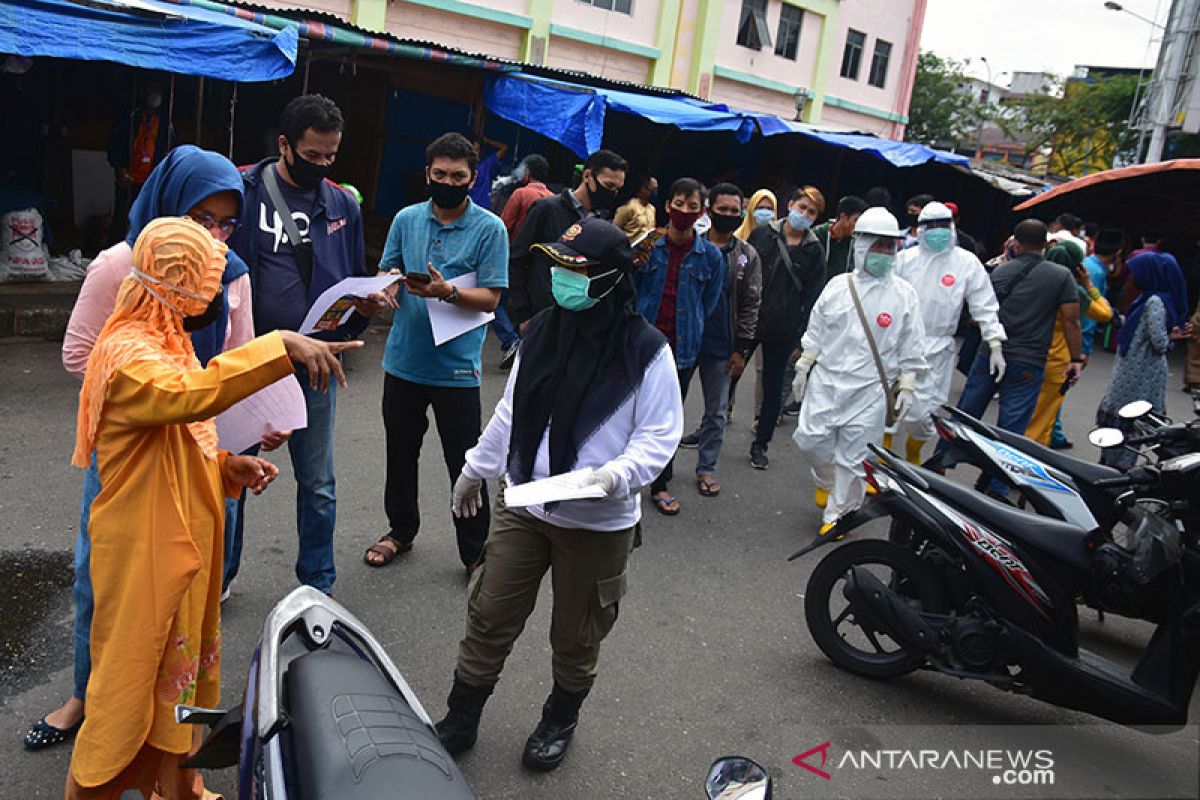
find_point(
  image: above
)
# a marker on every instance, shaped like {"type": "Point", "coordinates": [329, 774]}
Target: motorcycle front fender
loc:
{"type": "Point", "coordinates": [855, 519]}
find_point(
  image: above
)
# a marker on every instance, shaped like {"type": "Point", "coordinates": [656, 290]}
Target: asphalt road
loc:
{"type": "Point", "coordinates": [711, 655]}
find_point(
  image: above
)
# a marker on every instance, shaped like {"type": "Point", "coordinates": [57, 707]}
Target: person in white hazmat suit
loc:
{"type": "Point", "coordinates": [945, 276]}
{"type": "Point", "coordinates": [844, 401]}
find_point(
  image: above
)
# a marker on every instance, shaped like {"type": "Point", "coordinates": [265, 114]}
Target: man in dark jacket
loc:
{"type": "Point", "coordinates": [729, 332]}
{"type": "Point", "coordinates": [287, 279]}
{"type": "Point", "coordinates": [528, 272]}
{"type": "Point", "coordinates": [793, 274]}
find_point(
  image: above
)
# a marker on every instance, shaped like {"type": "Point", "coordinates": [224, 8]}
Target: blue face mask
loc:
{"type": "Point", "coordinates": [763, 215]}
{"type": "Point", "coordinates": [570, 289]}
{"type": "Point", "coordinates": [798, 221]}
{"type": "Point", "coordinates": [878, 264]}
{"type": "Point", "coordinates": [937, 239]}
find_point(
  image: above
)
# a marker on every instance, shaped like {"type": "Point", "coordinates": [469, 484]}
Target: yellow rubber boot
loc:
{"type": "Point", "coordinates": [912, 450]}
{"type": "Point", "coordinates": [887, 441]}
{"type": "Point", "coordinates": [821, 497]}
{"type": "Point", "coordinates": [825, 528]}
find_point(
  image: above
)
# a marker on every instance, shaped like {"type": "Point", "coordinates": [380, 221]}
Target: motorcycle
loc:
{"type": "Point", "coordinates": [979, 589]}
{"type": "Point", "coordinates": [326, 714]}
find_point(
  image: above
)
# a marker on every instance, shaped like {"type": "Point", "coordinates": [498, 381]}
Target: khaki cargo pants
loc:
{"type": "Point", "coordinates": [587, 573]}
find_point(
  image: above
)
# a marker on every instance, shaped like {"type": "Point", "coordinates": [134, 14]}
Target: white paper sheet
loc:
{"type": "Point", "coordinates": [336, 303]}
{"type": "Point", "coordinates": [448, 321]}
{"type": "Point", "coordinates": [276, 409]}
{"type": "Point", "coordinates": [568, 486]}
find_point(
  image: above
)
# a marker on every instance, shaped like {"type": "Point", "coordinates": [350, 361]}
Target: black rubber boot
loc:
{"type": "Point", "coordinates": [547, 745]}
{"type": "Point", "coordinates": [460, 727]}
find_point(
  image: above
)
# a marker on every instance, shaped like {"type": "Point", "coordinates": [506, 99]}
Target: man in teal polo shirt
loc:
{"type": "Point", "coordinates": [432, 243]}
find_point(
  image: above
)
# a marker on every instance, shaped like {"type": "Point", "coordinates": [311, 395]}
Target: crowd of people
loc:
{"type": "Point", "coordinates": [855, 320]}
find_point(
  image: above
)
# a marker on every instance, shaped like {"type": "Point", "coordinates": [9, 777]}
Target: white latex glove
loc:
{"type": "Point", "coordinates": [803, 367]}
{"type": "Point", "coordinates": [905, 394]}
{"type": "Point", "coordinates": [468, 496]}
{"type": "Point", "coordinates": [605, 478]}
{"type": "Point", "coordinates": [996, 363]}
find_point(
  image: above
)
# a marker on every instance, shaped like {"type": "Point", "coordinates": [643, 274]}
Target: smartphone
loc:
{"type": "Point", "coordinates": [417, 277]}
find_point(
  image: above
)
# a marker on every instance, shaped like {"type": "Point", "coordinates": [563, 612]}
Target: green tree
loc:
{"type": "Point", "coordinates": [943, 109]}
{"type": "Point", "coordinates": [1085, 127]}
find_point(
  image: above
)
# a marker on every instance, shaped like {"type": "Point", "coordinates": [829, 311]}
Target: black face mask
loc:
{"type": "Point", "coordinates": [446, 195]}
{"type": "Point", "coordinates": [725, 223]}
{"type": "Point", "coordinates": [910, 220]}
{"type": "Point", "coordinates": [210, 315]}
{"type": "Point", "coordinates": [602, 198]}
{"type": "Point", "coordinates": [306, 174]}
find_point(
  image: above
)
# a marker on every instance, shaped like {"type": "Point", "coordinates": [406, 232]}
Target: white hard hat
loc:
{"type": "Point", "coordinates": [934, 211]}
{"type": "Point", "coordinates": [878, 221]}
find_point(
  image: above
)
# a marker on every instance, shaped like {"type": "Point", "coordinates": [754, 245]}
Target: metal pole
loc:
{"type": "Point", "coordinates": [232, 116]}
{"type": "Point", "coordinates": [1181, 25]}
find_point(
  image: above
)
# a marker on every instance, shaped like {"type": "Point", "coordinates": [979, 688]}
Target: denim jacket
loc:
{"type": "Point", "coordinates": [701, 281]}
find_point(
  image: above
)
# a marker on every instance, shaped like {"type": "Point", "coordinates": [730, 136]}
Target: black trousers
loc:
{"type": "Point", "coordinates": [405, 419]}
{"type": "Point", "coordinates": [659, 484]}
{"type": "Point", "coordinates": [775, 365]}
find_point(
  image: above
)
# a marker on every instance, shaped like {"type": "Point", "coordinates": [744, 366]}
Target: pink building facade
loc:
{"type": "Point", "coordinates": [840, 64]}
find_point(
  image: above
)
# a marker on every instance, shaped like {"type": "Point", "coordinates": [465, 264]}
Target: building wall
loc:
{"type": "Point", "coordinates": [640, 27]}
{"type": "Point", "coordinates": [764, 64]}
{"type": "Point", "coordinates": [595, 60]}
{"type": "Point", "coordinates": [475, 35]}
{"type": "Point", "coordinates": [341, 8]}
{"type": "Point", "coordinates": [889, 20]}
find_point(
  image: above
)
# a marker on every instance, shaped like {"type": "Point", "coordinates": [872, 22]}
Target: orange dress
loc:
{"type": "Point", "coordinates": [157, 544]}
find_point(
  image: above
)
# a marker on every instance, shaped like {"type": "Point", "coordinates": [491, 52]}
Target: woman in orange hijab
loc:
{"type": "Point", "coordinates": [146, 409]}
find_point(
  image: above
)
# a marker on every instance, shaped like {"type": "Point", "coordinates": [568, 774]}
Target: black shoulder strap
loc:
{"type": "Point", "coordinates": [1022, 275]}
{"type": "Point", "coordinates": [787, 260]}
{"type": "Point", "coordinates": [303, 255]}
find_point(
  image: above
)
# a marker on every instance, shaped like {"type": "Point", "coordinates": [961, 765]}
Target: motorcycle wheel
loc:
{"type": "Point", "coordinates": [858, 650]}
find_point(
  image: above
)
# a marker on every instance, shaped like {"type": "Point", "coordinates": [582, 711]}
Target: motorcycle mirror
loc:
{"type": "Point", "coordinates": [1106, 437]}
{"type": "Point", "coordinates": [737, 778]}
{"type": "Point", "coordinates": [1138, 408]}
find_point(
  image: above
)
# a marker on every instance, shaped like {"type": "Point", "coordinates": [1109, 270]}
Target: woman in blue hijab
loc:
{"type": "Point", "coordinates": [1157, 318]}
{"type": "Point", "coordinates": [188, 182]}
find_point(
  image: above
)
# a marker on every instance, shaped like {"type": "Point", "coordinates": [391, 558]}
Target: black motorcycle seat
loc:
{"type": "Point", "coordinates": [1086, 471]}
{"type": "Point", "coordinates": [354, 737]}
{"type": "Point", "coordinates": [1055, 538]}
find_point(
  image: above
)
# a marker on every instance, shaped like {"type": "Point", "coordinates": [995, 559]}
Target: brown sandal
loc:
{"type": "Point", "coordinates": [707, 486]}
{"type": "Point", "coordinates": [387, 548]}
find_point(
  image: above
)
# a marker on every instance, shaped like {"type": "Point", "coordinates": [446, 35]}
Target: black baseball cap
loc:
{"type": "Point", "coordinates": [590, 242]}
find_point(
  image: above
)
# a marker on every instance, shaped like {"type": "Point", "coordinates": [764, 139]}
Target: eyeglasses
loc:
{"type": "Point", "coordinates": [226, 225]}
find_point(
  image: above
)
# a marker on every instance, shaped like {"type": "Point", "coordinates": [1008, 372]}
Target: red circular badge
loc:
{"type": "Point", "coordinates": [947, 280]}
{"type": "Point", "coordinates": [884, 320]}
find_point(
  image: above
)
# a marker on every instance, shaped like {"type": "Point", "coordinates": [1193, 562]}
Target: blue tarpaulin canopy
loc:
{"type": "Point", "coordinates": [573, 115]}
{"type": "Point", "coordinates": [150, 34]}
{"type": "Point", "coordinates": [901, 154]}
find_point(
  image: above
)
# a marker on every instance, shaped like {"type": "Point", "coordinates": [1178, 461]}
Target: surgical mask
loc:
{"type": "Point", "coordinates": [209, 315]}
{"type": "Point", "coordinates": [682, 220]}
{"type": "Point", "coordinates": [764, 215]}
{"type": "Point", "coordinates": [878, 264]}
{"type": "Point", "coordinates": [725, 223]}
{"type": "Point", "coordinates": [937, 239]}
{"type": "Point", "coordinates": [798, 221]}
{"type": "Point", "coordinates": [446, 195]}
{"type": "Point", "coordinates": [145, 280]}
{"type": "Point", "coordinates": [306, 174]}
{"type": "Point", "coordinates": [571, 289]}
{"type": "Point", "coordinates": [602, 197]}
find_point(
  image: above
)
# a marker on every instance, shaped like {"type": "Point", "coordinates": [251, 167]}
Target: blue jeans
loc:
{"type": "Point", "coordinates": [235, 523]}
{"type": "Point", "coordinates": [82, 591]}
{"type": "Point", "coordinates": [714, 382]}
{"type": "Point", "coordinates": [502, 325]}
{"type": "Point", "coordinates": [1018, 397]}
{"type": "Point", "coordinates": [311, 451]}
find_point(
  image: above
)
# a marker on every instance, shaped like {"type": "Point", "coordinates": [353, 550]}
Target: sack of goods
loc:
{"type": "Point", "coordinates": [22, 254]}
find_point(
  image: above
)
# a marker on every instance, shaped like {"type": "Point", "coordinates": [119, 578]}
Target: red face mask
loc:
{"type": "Point", "coordinates": [682, 220]}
